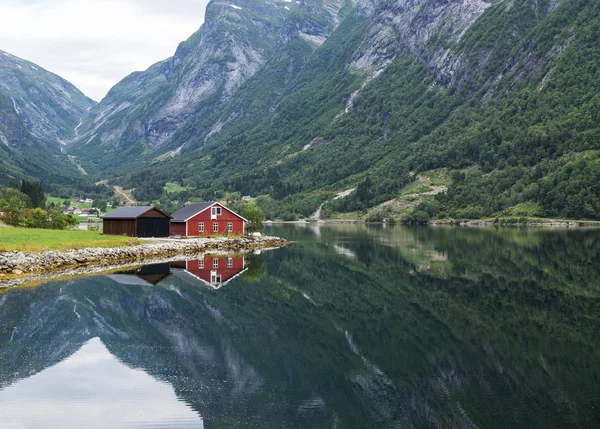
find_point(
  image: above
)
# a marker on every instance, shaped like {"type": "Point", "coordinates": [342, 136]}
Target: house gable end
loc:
{"type": "Point", "coordinates": [210, 207]}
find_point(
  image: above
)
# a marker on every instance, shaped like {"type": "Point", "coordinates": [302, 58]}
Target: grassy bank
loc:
{"type": "Point", "coordinates": [39, 240]}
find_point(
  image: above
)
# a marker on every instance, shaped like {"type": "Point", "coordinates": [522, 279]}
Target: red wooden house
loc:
{"type": "Point", "coordinates": [212, 270]}
{"type": "Point", "coordinates": [206, 219]}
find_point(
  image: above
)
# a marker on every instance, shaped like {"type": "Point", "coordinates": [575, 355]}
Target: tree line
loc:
{"type": "Point", "coordinates": [24, 205]}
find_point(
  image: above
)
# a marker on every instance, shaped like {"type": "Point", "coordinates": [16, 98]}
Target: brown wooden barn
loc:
{"type": "Point", "coordinates": [137, 222]}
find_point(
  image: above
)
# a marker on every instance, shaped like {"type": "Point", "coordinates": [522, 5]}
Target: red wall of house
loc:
{"type": "Point", "coordinates": [223, 219]}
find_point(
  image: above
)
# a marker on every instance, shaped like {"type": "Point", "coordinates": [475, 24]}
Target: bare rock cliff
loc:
{"type": "Point", "coordinates": [430, 29]}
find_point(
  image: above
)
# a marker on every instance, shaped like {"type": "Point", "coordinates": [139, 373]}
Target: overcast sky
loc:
{"type": "Point", "coordinates": [96, 43]}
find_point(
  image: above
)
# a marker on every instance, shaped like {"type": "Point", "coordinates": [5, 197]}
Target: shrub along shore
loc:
{"type": "Point", "coordinates": [21, 264]}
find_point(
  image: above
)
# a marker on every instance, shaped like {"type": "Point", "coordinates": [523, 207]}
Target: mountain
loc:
{"type": "Point", "coordinates": [23, 156]}
{"type": "Point", "coordinates": [39, 113]}
{"type": "Point", "coordinates": [162, 111]}
{"type": "Point", "coordinates": [50, 107]}
{"type": "Point", "coordinates": [497, 101]}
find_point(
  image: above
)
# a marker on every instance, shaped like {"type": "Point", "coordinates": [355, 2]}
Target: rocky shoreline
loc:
{"type": "Point", "coordinates": [25, 265]}
{"type": "Point", "coordinates": [508, 222]}
{"type": "Point", "coordinates": [516, 222]}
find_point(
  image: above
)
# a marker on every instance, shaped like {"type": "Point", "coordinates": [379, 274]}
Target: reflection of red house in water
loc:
{"type": "Point", "coordinates": [212, 270]}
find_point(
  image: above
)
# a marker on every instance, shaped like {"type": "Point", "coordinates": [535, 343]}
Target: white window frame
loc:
{"type": "Point", "coordinates": [215, 226]}
{"type": "Point", "coordinates": [229, 226]}
{"type": "Point", "coordinates": [216, 211]}
{"type": "Point", "coordinates": [215, 280]}
{"type": "Point", "coordinates": [201, 264]}
{"type": "Point", "coordinates": [201, 227]}
{"type": "Point", "coordinates": [215, 262]}
{"type": "Point", "coordinates": [229, 262]}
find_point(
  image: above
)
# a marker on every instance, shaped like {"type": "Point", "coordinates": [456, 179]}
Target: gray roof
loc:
{"type": "Point", "coordinates": [190, 211]}
{"type": "Point", "coordinates": [128, 212]}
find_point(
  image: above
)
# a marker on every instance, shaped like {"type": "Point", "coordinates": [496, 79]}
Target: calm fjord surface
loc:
{"type": "Point", "coordinates": [351, 327]}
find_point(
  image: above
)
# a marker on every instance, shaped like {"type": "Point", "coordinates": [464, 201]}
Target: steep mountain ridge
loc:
{"type": "Point", "coordinates": [152, 111]}
{"type": "Point", "coordinates": [39, 113]}
{"type": "Point", "coordinates": [50, 107]}
{"type": "Point", "coordinates": [23, 156]}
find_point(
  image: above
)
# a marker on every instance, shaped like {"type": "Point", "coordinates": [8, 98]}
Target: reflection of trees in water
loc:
{"type": "Point", "coordinates": [256, 268]}
{"type": "Point", "coordinates": [508, 336]}
{"type": "Point", "coordinates": [509, 303]}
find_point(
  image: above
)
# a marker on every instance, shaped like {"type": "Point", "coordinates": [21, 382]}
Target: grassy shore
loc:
{"type": "Point", "coordinates": [39, 240]}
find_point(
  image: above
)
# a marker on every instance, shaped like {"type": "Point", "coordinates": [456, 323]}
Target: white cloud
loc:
{"type": "Point", "coordinates": [96, 43]}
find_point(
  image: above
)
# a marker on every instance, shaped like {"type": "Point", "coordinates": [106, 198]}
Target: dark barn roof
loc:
{"type": "Point", "coordinates": [190, 211]}
{"type": "Point", "coordinates": [131, 212]}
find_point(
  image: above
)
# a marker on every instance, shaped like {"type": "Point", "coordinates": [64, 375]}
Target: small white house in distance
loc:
{"type": "Point", "coordinates": [247, 198]}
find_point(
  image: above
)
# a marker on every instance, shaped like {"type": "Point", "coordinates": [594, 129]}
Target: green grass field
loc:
{"type": "Point", "coordinates": [59, 201]}
{"type": "Point", "coordinates": [416, 188]}
{"type": "Point", "coordinates": [39, 240]}
{"type": "Point", "coordinates": [174, 187]}
{"type": "Point", "coordinates": [55, 200]}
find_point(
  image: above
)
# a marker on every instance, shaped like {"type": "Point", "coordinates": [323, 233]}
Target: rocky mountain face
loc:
{"type": "Point", "coordinates": [420, 26]}
{"type": "Point", "coordinates": [49, 106]}
{"type": "Point", "coordinates": [39, 114]}
{"type": "Point", "coordinates": [155, 110]}
{"type": "Point", "coordinates": [22, 155]}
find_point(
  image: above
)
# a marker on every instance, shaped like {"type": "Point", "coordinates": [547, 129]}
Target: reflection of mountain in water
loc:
{"type": "Point", "coordinates": [171, 331]}
{"type": "Point", "coordinates": [506, 337]}
{"type": "Point", "coordinates": [149, 275]}
{"type": "Point", "coordinates": [92, 388]}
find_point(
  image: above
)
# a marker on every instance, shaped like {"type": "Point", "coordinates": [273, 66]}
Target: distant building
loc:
{"type": "Point", "coordinates": [247, 198]}
{"type": "Point", "coordinates": [206, 219]}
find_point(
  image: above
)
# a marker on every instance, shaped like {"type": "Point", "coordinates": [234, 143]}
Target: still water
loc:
{"type": "Point", "coordinates": [350, 327]}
